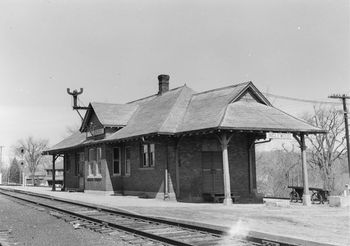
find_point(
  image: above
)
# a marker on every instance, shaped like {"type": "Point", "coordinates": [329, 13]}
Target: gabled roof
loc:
{"type": "Point", "coordinates": [161, 114]}
{"type": "Point", "coordinates": [206, 109]}
{"type": "Point", "coordinates": [243, 115]}
{"type": "Point", "coordinates": [110, 115]}
{"type": "Point", "coordinates": [114, 114]}
{"type": "Point", "coordinates": [228, 108]}
{"type": "Point", "coordinates": [181, 110]}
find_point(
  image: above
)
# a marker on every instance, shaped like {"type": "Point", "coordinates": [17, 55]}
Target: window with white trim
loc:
{"type": "Point", "coordinates": [148, 155]}
{"type": "Point", "coordinates": [98, 161]}
{"type": "Point", "coordinates": [92, 160]}
{"type": "Point", "coordinates": [116, 161]}
{"type": "Point", "coordinates": [81, 163]}
{"type": "Point", "coordinates": [127, 161]}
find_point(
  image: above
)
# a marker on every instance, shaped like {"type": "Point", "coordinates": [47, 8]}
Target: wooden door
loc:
{"type": "Point", "coordinates": [81, 172]}
{"type": "Point", "coordinates": [212, 172]}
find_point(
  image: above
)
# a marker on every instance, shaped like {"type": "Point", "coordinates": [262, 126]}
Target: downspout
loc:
{"type": "Point", "coordinates": [261, 142]}
{"type": "Point", "coordinates": [252, 184]}
{"type": "Point", "coordinates": [166, 178]}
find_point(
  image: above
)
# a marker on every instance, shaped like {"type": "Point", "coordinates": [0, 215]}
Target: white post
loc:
{"type": "Point", "coordinates": [227, 183]}
{"type": "Point", "coordinates": [23, 178]}
{"type": "Point", "coordinates": [306, 195]}
{"type": "Point", "coordinates": [53, 173]}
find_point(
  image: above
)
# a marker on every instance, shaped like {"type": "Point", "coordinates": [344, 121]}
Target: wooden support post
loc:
{"type": "Point", "coordinates": [54, 157]}
{"type": "Point", "coordinates": [224, 140]}
{"type": "Point", "coordinates": [166, 184]}
{"type": "Point", "coordinates": [64, 172]}
{"type": "Point", "coordinates": [306, 193]}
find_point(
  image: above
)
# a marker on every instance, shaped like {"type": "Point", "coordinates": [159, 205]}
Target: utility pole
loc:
{"type": "Point", "coordinates": [1, 163]}
{"type": "Point", "coordinates": [343, 98]}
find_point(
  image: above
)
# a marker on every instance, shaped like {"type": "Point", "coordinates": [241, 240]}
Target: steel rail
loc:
{"type": "Point", "coordinates": [197, 228]}
{"type": "Point", "coordinates": [137, 216]}
{"type": "Point", "coordinates": [117, 226]}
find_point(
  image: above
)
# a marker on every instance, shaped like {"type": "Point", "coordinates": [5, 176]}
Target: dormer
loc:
{"type": "Point", "coordinates": [102, 119]}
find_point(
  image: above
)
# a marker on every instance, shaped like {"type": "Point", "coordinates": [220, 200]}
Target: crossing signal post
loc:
{"type": "Point", "coordinates": [22, 165]}
{"type": "Point", "coordinates": [343, 98]}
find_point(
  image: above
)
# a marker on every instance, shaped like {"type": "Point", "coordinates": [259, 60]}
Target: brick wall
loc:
{"type": "Point", "coordinates": [150, 181]}
{"type": "Point", "coordinates": [142, 180]}
{"type": "Point", "coordinates": [190, 158]}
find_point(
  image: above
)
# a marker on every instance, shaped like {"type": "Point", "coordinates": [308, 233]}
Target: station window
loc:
{"type": "Point", "coordinates": [148, 151]}
{"type": "Point", "coordinates": [127, 161]}
{"type": "Point", "coordinates": [98, 161]}
{"type": "Point", "coordinates": [116, 161]}
{"type": "Point", "coordinates": [92, 159]}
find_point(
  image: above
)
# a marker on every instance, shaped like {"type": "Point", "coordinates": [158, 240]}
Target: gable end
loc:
{"type": "Point", "coordinates": [251, 94]}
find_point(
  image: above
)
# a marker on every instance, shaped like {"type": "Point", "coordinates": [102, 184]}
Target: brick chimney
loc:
{"type": "Point", "coordinates": [163, 83]}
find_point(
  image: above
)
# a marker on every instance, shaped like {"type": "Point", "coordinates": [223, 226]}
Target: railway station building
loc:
{"type": "Point", "coordinates": [177, 144]}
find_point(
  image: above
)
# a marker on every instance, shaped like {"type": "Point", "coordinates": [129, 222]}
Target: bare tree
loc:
{"type": "Point", "coordinates": [33, 149]}
{"type": "Point", "coordinates": [326, 148]}
{"type": "Point", "coordinates": [273, 170]}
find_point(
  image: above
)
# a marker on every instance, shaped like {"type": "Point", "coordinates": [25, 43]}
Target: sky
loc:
{"type": "Point", "coordinates": [116, 49]}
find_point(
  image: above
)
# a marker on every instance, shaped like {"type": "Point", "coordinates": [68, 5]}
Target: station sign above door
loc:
{"type": "Point", "coordinates": [95, 132]}
{"type": "Point", "coordinates": [279, 135]}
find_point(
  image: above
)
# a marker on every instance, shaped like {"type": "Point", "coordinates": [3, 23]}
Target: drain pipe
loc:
{"type": "Point", "coordinates": [166, 179]}
{"type": "Point", "coordinates": [251, 168]}
{"type": "Point", "coordinates": [261, 142]}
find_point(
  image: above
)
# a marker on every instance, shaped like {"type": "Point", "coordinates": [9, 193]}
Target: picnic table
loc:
{"type": "Point", "coordinates": [318, 194]}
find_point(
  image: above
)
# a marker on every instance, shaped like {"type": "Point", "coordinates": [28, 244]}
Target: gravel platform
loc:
{"type": "Point", "coordinates": [21, 224]}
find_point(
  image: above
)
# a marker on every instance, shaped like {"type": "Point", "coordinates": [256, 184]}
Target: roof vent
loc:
{"type": "Point", "coordinates": [163, 83]}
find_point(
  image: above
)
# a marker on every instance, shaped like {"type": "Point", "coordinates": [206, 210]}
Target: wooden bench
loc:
{"type": "Point", "coordinates": [318, 194]}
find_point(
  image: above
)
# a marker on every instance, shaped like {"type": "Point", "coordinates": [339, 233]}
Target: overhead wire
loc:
{"type": "Point", "coordinates": [302, 100]}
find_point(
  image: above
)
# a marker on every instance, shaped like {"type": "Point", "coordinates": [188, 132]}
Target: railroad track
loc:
{"type": "Point", "coordinates": [141, 230]}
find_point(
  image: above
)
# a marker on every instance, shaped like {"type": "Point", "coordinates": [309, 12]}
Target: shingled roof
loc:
{"type": "Point", "coordinates": [109, 114]}
{"type": "Point", "coordinates": [73, 140]}
{"type": "Point", "coordinates": [163, 114]}
{"type": "Point", "coordinates": [181, 110]}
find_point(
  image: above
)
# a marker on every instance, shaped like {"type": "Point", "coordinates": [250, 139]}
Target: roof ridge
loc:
{"type": "Point", "coordinates": [155, 94]}
{"type": "Point", "coordinates": [172, 108]}
{"type": "Point", "coordinates": [222, 88]}
{"type": "Point", "coordinates": [108, 103]}
{"type": "Point", "coordinates": [183, 118]}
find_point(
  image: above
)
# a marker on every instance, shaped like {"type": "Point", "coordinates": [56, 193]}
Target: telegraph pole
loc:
{"type": "Point", "coordinates": [1, 163]}
{"type": "Point", "coordinates": [343, 98]}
